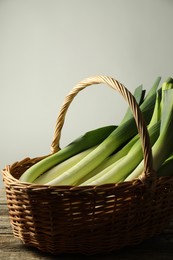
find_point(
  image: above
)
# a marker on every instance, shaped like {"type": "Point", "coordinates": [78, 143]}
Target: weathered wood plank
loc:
{"type": "Point", "coordinates": [3, 210]}
{"type": "Point", "coordinates": [2, 197]}
{"type": "Point", "coordinates": [11, 248]}
{"type": "Point", "coordinates": [5, 226]}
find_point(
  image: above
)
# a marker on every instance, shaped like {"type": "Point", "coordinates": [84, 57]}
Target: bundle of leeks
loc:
{"type": "Point", "coordinates": [113, 154]}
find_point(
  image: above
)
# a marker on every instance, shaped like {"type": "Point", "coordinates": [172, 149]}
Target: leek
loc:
{"type": "Point", "coordinates": [166, 169]}
{"type": "Point", "coordinates": [86, 141]}
{"type": "Point", "coordinates": [120, 169]}
{"type": "Point", "coordinates": [139, 95]}
{"type": "Point", "coordinates": [111, 160]}
{"type": "Point", "coordinates": [62, 167]}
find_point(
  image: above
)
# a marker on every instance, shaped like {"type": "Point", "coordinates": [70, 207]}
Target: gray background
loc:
{"type": "Point", "coordinates": [47, 46]}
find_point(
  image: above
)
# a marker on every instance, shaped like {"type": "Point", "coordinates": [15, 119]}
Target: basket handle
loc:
{"type": "Point", "coordinates": [148, 176]}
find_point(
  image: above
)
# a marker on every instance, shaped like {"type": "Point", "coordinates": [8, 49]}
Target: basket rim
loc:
{"type": "Point", "coordinates": [10, 179]}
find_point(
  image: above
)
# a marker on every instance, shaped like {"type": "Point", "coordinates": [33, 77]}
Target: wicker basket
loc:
{"type": "Point", "coordinates": [89, 220]}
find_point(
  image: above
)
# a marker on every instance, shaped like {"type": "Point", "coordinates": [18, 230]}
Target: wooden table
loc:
{"type": "Point", "coordinates": [160, 247]}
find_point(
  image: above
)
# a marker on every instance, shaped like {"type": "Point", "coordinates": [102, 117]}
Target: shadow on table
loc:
{"type": "Point", "coordinates": [159, 248]}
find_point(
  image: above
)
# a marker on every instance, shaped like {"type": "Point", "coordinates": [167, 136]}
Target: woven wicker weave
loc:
{"type": "Point", "coordinates": [89, 220]}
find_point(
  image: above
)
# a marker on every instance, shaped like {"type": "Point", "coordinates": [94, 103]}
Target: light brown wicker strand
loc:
{"type": "Point", "coordinates": [149, 174]}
